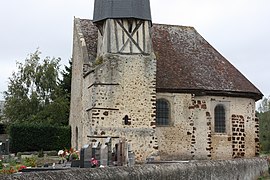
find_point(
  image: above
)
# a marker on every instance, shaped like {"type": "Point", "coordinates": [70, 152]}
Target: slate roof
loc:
{"type": "Point", "coordinates": [187, 63]}
{"type": "Point", "coordinates": [105, 9]}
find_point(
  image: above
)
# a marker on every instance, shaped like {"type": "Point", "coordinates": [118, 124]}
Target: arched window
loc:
{"type": "Point", "coordinates": [220, 124]}
{"type": "Point", "coordinates": [163, 112]}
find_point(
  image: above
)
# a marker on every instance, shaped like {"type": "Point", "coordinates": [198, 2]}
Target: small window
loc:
{"type": "Point", "coordinates": [77, 138]}
{"type": "Point", "coordinates": [220, 124]}
{"type": "Point", "coordinates": [163, 112]}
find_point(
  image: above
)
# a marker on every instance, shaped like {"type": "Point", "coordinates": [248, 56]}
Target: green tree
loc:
{"type": "Point", "coordinates": [265, 131]}
{"type": "Point", "coordinates": [264, 118]}
{"type": "Point", "coordinates": [65, 83]}
{"type": "Point", "coordinates": [34, 92]}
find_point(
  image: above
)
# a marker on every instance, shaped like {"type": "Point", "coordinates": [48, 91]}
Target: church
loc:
{"type": "Point", "coordinates": [162, 87]}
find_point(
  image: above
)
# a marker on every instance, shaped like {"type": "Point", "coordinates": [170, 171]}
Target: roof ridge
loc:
{"type": "Point", "coordinates": [173, 25]}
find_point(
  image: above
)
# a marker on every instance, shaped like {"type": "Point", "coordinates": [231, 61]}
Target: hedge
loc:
{"type": "Point", "coordinates": [36, 137]}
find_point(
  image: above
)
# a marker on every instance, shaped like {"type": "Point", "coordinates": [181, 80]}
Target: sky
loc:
{"type": "Point", "coordinates": [238, 29]}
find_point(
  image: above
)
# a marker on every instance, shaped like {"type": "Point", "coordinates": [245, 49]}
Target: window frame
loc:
{"type": "Point", "coordinates": [168, 113]}
{"type": "Point", "coordinates": [221, 128]}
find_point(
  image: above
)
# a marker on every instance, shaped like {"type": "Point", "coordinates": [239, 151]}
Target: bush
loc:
{"type": "Point", "coordinates": [34, 137]}
{"type": "Point", "coordinates": [30, 162]}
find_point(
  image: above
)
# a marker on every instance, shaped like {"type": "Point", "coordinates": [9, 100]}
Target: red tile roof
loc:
{"type": "Point", "coordinates": [187, 63]}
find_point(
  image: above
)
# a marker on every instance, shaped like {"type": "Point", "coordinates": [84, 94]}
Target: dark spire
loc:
{"type": "Point", "coordinates": [117, 9]}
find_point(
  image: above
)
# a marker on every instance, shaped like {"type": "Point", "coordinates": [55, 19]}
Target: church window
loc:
{"type": "Point", "coordinates": [163, 112]}
{"type": "Point", "coordinates": [76, 138]}
{"type": "Point", "coordinates": [220, 123]}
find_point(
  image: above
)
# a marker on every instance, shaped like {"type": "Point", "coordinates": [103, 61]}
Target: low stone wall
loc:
{"type": "Point", "coordinates": [238, 169]}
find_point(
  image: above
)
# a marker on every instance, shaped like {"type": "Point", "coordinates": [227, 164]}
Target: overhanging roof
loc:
{"type": "Point", "coordinates": [115, 9]}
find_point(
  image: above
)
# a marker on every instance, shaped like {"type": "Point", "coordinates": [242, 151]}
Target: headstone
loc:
{"type": "Point", "coordinates": [131, 155]}
{"type": "Point", "coordinates": [108, 142]}
{"type": "Point", "coordinates": [96, 151]}
{"type": "Point", "coordinates": [121, 150]}
{"type": "Point", "coordinates": [131, 158]}
{"type": "Point", "coordinates": [85, 156]}
{"type": "Point", "coordinates": [104, 155]}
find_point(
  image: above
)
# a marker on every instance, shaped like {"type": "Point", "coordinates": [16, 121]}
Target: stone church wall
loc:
{"type": "Point", "coordinates": [191, 135]}
{"type": "Point", "coordinates": [79, 53]}
{"type": "Point", "coordinates": [122, 87]}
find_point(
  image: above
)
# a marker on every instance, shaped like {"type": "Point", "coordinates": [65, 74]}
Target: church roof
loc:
{"type": "Point", "coordinates": [111, 9]}
{"type": "Point", "coordinates": [187, 63]}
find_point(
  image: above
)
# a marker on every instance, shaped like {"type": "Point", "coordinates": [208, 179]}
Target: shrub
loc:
{"type": "Point", "coordinates": [34, 137]}
{"type": "Point", "coordinates": [30, 162]}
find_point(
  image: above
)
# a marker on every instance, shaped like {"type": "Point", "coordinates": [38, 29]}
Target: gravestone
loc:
{"type": "Point", "coordinates": [108, 142]}
{"type": "Point", "coordinates": [85, 156]}
{"type": "Point", "coordinates": [96, 151]}
{"type": "Point", "coordinates": [131, 156]}
{"type": "Point", "coordinates": [104, 155]}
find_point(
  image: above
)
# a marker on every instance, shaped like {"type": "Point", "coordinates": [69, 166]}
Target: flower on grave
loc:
{"type": "Point", "coordinates": [60, 153]}
{"type": "Point", "coordinates": [22, 167]}
{"type": "Point", "coordinates": [94, 162]}
{"type": "Point", "coordinates": [69, 154]}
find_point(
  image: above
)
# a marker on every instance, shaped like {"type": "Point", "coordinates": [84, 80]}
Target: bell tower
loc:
{"type": "Point", "coordinates": [122, 84]}
{"type": "Point", "coordinates": [124, 26]}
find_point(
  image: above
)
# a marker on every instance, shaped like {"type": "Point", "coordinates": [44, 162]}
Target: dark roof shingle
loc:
{"type": "Point", "coordinates": [110, 9]}
{"type": "Point", "coordinates": [187, 62]}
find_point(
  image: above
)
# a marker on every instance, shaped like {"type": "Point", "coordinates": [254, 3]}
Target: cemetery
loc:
{"type": "Point", "coordinates": [99, 153]}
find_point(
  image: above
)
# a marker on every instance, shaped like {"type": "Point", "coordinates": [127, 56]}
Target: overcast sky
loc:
{"type": "Point", "coordinates": [238, 29]}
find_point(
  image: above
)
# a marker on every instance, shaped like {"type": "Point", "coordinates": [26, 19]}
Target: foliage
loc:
{"type": "Point", "coordinates": [30, 162]}
{"type": "Point", "coordinates": [12, 169]}
{"type": "Point", "coordinates": [69, 154]}
{"type": "Point", "coordinates": [9, 170]}
{"type": "Point", "coordinates": [36, 94]}
{"type": "Point", "coordinates": [264, 117]}
{"type": "Point", "coordinates": [33, 137]}
{"type": "Point", "coordinates": [265, 131]}
{"type": "Point", "coordinates": [65, 83]}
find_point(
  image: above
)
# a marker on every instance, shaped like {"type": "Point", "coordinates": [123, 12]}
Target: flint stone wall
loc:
{"type": "Point", "coordinates": [191, 131]}
{"type": "Point", "coordinates": [242, 169]}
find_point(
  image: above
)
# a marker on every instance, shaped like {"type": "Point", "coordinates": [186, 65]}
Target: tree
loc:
{"type": "Point", "coordinates": [264, 117]}
{"type": "Point", "coordinates": [265, 131]}
{"type": "Point", "coordinates": [65, 84]}
{"type": "Point", "coordinates": [34, 93]}
{"type": "Point", "coordinates": [264, 105]}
